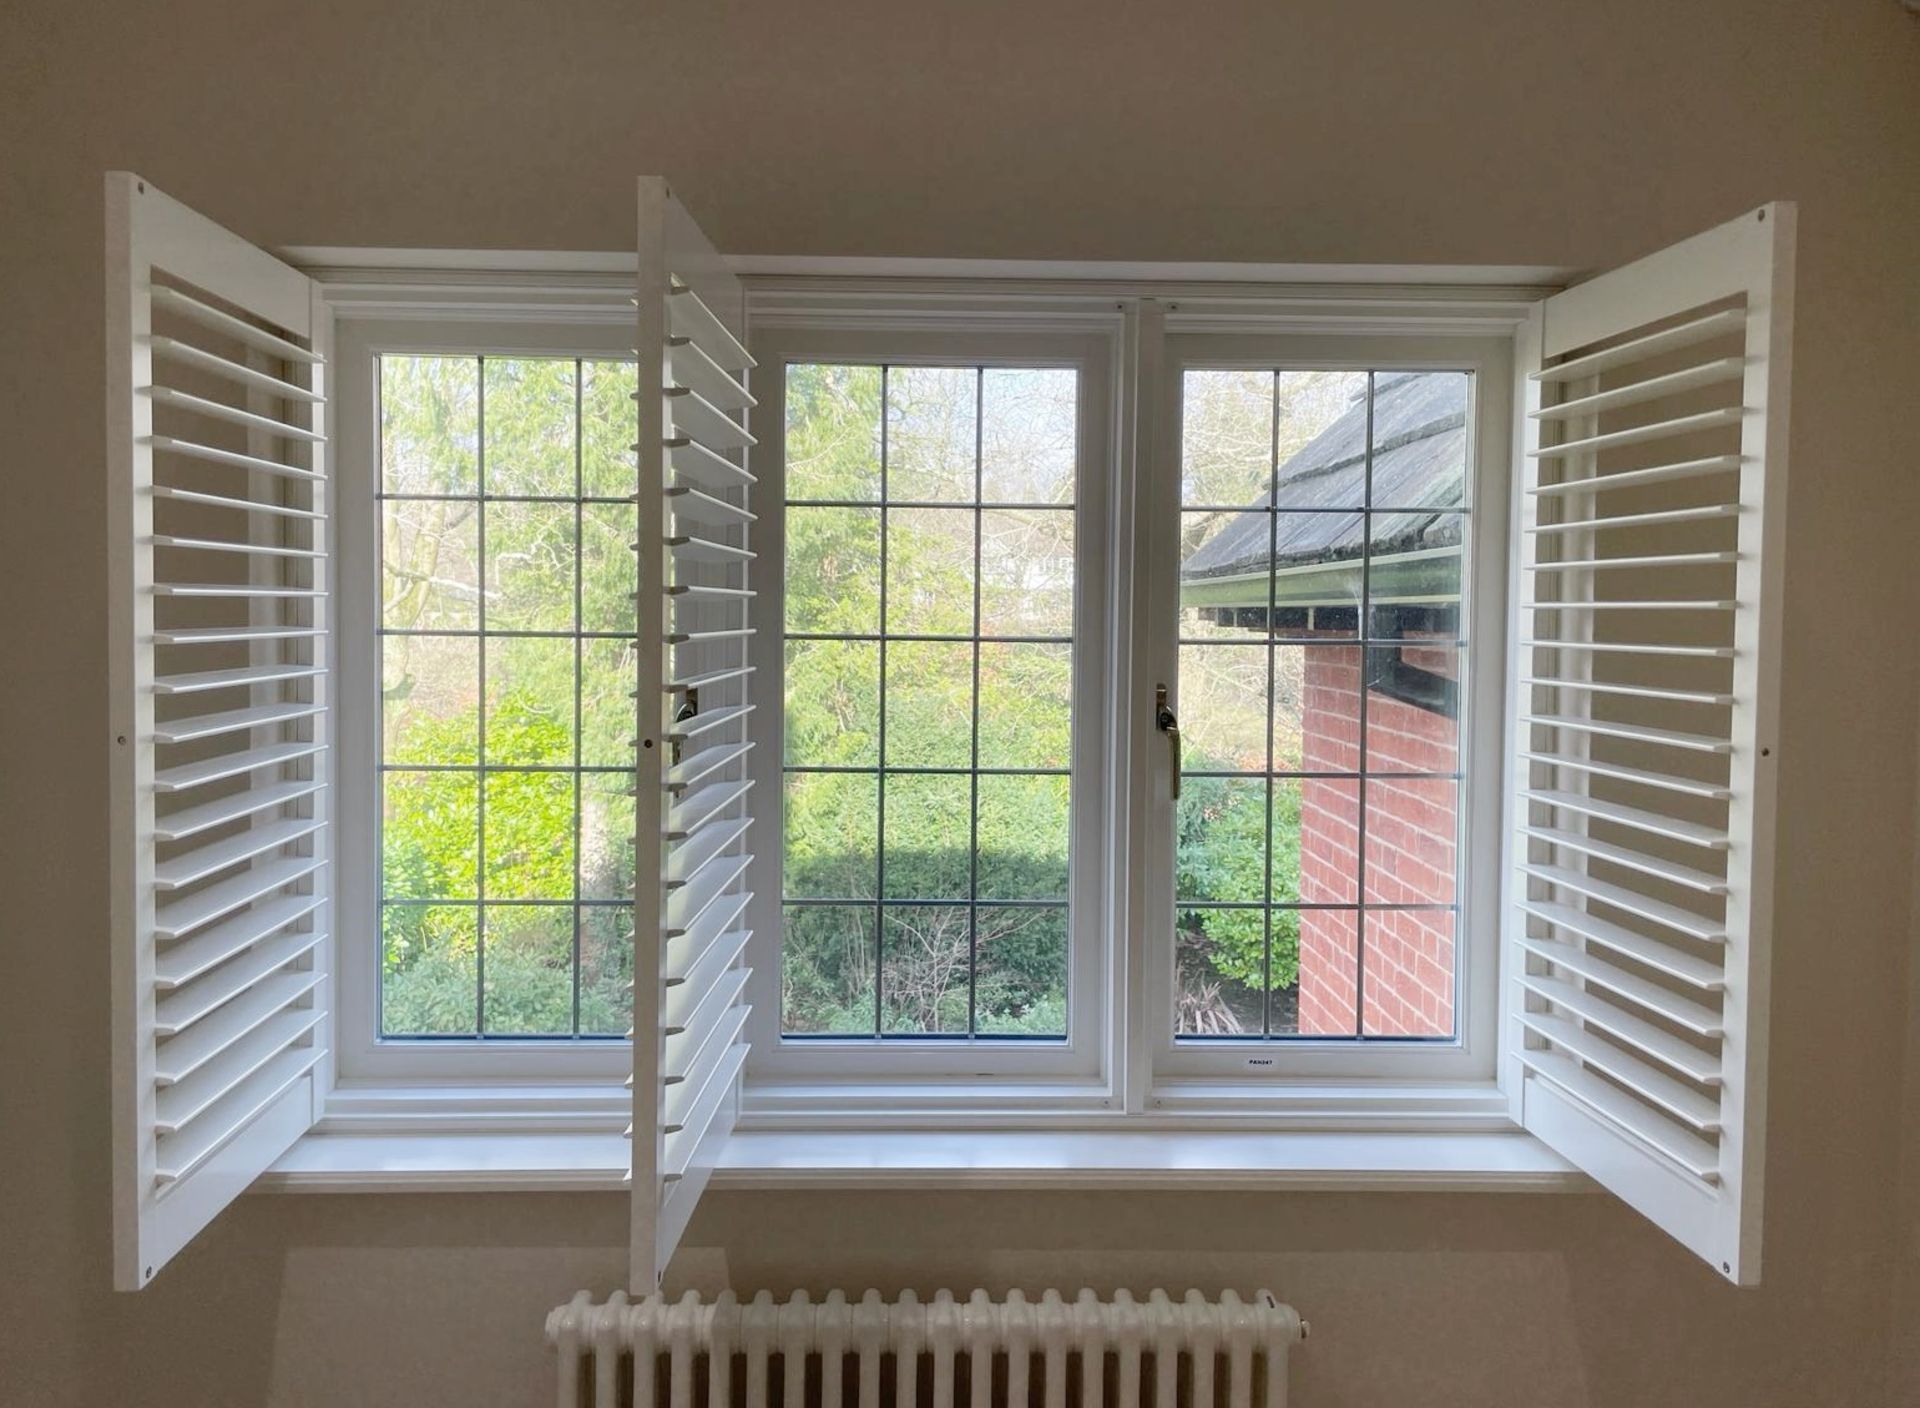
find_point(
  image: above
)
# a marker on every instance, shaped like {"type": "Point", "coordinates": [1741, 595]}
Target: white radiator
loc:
{"type": "Point", "coordinates": [871, 1353]}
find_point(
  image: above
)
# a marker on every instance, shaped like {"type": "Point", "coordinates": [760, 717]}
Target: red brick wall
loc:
{"type": "Point", "coordinates": [1411, 840]}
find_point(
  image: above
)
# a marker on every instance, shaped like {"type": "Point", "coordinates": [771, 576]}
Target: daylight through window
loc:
{"type": "Point", "coordinates": [506, 678]}
{"type": "Point", "coordinates": [1322, 538]}
{"type": "Point", "coordinates": [929, 620]}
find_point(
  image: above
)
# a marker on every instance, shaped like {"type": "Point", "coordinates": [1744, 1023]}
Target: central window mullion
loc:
{"type": "Point", "coordinates": [880, 760]}
{"type": "Point", "coordinates": [973, 779]}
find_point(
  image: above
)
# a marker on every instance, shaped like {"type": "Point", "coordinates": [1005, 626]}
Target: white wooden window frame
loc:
{"type": "Point", "coordinates": [1119, 1059]}
{"type": "Point", "coordinates": [1188, 1070]}
{"type": "Point", "coordinates": [365, 334]}
{"type": "Point", "coordinates": [1142, 1075]}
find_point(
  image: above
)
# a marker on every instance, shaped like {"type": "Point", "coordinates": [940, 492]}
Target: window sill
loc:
{"type": "Point", "coordinates": [1314, 1161]}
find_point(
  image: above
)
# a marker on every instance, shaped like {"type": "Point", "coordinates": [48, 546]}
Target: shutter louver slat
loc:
{"type": "Point", "coordinates": [210, 859]}
{"type": "Point", "coordinates": [1703, 880]}
{"type": "Point", "coordinates": [693, 855]}
{"type": "Point", "coordinates": [1546, 680]}
{"type": "Point", "coordinates": [189, 821]}
{"type": "Point", "coordinates": [1639, 478]}
{"type": "Point", "coordinates": [1640, 434]}
{"type": "Point", "coordinates": [203, 360]}
{"type": "Point", "coordinates": [178, 918]}
{"type": "Point", "coordinates": [206, 315]}
{"type": "Point", "coordinates": [691, 317]}
{"type": "Point", "coordinates": [263, 1000]}
{"type": "Point", "coordinates": [180, 1010]}
{"type": "Point", "coordinates": [1623, 897]}
{"type": "Point", "coordinates": [700, 969]}
{"type": "Point", "coordinates": [201, 681]}
{"type": "Point", "coordinates": [1694, 1016]}
{"type": "Point", "coordinates": [683, 1139]}
{"type": "Point", "coordinates": [1644, 1036]}
{"type": "Point", "coordinates": [1640, 819]}
{"type": "Point", "coordinates": [197, 726]}
{"type": "Point", "coordinates": [1652, 389]}
{"type": "Point", "coordinates": [694, 368]}
{"type": "Point", "coordinates": [1675, 963]}
{"type": "Point", "coordinates": [1695, 652]}
{"type": "Point", "coordinates": [236, 590]}
{"type": "Point", "coordinates": [694, 416]}
{"type": "Point", "coordinates": [213, 454]}
{"type": "Point", "coordinates": [693, 1020]}
{"type": "Point", "coordinates": [690, 963]}
{"type": "Point", "coordinates": [1668, 782]}
{"type": "Point", "coordinates": [1690, 333]}
{"type": "Point", "coordinates": [196, 496]}
{"type": "Point", "coordinates": [715, 919]}
{"type": "Point", "coordinates": [691, 548]}
{"type": "Point", "coordinates": [1598, 564]}
{"type": "Point", "coordinates": [1646, 821]}
{"type": "Point", "coordinates": [707, 722]}
{"type": "Point", "coordinates": [693, 798]}
{"type": "Point", "coordinates": [1698, 1156]}
{"type": "Point", "coordinates": [179, 1105]}
{"type": "Point", "coordinates": [180, 1155]}
{"type": "Point", "coordinates": [707, 468]}
{"type": "Point", "coordinates": [1674, 1096]}
{"type": "Point", "coordinates": [719, 1064]}
{"type": "Point", "coordinates": [1641, 520]}
{"type": "Point", "coordinates": [696, 1056]}
{"type": "Point", "coordinates": [704, 764]}
{"type": "Point", "coordinates": [696, 809]}
{"type": "Point", "coordinates": [184, 962]}
{"type": "Point", "coordinates": [220, 410]}
{"type": "Point", "coordinates": [162, 540]}
{"type": "Point", "coordinates": [227, 765]}
{"type": "Point", "coordinates": [699, 506]}
{"type": "Point", "coordinates": [686, 905]}
{"type": "Point", "coordinates": [1639, 733]}
{"type": "Point", "coordinates": [217, 437]}
{"type": "Point", "coordinates": [680, 684]}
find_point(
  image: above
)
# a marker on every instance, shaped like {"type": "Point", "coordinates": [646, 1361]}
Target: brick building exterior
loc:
{"type": "Point", "coordinates": [1412, 834]}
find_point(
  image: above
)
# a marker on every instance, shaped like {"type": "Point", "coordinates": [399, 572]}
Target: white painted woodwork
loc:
{"type": "Point", "coordinates": [1645, 662]}
{"type": "Point", "coordinates": [220, 716]}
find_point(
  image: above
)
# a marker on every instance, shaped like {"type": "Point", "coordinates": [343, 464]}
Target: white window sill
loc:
{"type": "Point", "coordinates": [1318, 1161]}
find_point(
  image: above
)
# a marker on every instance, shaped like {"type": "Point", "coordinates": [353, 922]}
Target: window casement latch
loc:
{"type": "Point", "coordinates": [1168, 723]}
{"type": "Point", "coordinates": [687, 710]}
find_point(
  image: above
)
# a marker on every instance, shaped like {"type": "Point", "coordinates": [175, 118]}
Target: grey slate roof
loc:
{"type": "Point", "coordinates": [1419, 459]}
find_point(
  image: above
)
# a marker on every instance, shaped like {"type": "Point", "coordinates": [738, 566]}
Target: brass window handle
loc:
{"type": "Point", "coordinates": [1168, 723]}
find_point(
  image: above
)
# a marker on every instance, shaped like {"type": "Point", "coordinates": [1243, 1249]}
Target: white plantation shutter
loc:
{"type": "Point", "coordinates": [1647, 650]}
{"type": "Point", "coordinates": [219, 717]}
{"type": "Point", "coordinates": [693, 810]}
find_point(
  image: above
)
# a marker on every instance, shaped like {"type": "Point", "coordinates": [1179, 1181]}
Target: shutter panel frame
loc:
{"type": "Point", "coordinates": [220, 1015]}
{"type": "Point", "coordinates": [694, 803]}
{"type": "Point", "coordinates": [1656, 968]}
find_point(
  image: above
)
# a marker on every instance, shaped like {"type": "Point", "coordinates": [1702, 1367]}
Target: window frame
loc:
{"type": "Point", "coordinates": [853, 1069]}
{"type": "Point", "coordinates": [1202, 1073]}
{"type": "Point", "coordinates": [445, 301]}
{"type": "Point", "coordinates": [362, 336]}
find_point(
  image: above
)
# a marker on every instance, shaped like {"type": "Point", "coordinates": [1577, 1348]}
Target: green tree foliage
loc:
{"type": "Point", "coordinates": [925, 954]}
{"type": "Point", "coordinates": [429, 845]}
{"type": "Point", "coordinates": [558, 565]}
{"type": "Point", "coordinates": [1219, 854]}
{"type": "Point", "coordinates": [931, 967]}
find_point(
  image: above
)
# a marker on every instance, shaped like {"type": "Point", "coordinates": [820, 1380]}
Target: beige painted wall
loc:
{"type": "Point", "coordinates": [1402, 130]}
